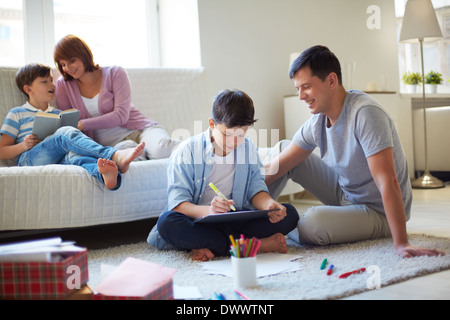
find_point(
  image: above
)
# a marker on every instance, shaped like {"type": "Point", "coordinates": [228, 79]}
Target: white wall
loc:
{"type": "Point", "coordinates": [246, 44]}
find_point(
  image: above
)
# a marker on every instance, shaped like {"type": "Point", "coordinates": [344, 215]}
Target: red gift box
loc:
{"type": "Point", "coordinates": [43, 280]}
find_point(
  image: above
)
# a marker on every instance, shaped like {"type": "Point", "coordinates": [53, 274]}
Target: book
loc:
{"type": "Point", "coordinates": [46, 250]}
{"type": "Point", "coordinates": [46, 123]}
{"type": "Point", "coordinates": [233, 216]}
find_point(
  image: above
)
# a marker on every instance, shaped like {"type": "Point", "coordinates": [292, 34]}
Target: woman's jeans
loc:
{"type": "Point", "coordinates": [69, 146]}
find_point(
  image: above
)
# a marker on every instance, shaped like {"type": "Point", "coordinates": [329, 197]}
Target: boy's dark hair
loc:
{"type": "Point", "coordinates": [233, 108]}
{"type": "Point", "coordinates": [27, 74]}
{"type": "Point", "coordinates": [320, 60]}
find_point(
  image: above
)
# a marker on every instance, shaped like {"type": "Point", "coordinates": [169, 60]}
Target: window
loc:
{"type": "Point", "coordinates": [180, 35]}
{"type": "Point", "coordinates": [115, 30]}
{"type": "Point", "coordinates": [11, 33]}
{"type": "Point", "coordinates": [436, 54]}
{"type": "Point", "coordinates": [138, 33]}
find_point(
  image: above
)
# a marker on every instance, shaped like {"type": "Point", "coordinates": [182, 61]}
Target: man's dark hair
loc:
{"type": "Point", "coordinates": [233, 108]}
{"type": "Point", "coordinates": [27, 74]}
{"type": "Point", "coordinates": [320, 60]}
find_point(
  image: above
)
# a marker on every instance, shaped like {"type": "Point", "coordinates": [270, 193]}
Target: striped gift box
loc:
{"type": "Point", "coordinates": [43, 280]}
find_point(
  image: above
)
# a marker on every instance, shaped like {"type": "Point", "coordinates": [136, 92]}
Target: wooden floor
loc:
{"type": "Point", "coordinates": [430, 215]}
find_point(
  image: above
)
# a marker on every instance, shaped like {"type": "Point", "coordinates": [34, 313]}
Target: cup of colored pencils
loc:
{"type": "Point", "coordinates": [243, 261]}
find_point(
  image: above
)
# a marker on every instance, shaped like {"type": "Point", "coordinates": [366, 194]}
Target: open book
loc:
{"type": "Point", "coordinates": [233, 216]}
{"type": "Point", "coordinates": [46, 123]}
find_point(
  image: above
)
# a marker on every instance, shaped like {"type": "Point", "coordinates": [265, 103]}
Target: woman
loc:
{"type": "Point", "coordinates": [103, 96]}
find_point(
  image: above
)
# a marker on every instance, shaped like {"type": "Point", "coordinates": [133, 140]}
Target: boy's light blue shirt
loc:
{"type": "Point", "coordinates": [190, 165]}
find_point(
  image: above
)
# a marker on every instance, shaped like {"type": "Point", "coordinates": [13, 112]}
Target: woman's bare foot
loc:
{"type": "Point", "coordinates": [202, 254]}
{"type": "Point", "coordinates": [123, 158]}
{"type": "Point", "coordinates": [109, 172]}
{"type": "Point", "coordinates": [275, 243]}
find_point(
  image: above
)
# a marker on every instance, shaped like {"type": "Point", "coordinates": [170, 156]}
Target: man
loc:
{"type": "Point", "coordinates": [361, 175]}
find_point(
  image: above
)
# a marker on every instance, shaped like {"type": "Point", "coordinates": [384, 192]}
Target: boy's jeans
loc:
{"type": "Point", "coordinates": [175, 230]}
{"type": "Point", "coordinates": [69, 146]}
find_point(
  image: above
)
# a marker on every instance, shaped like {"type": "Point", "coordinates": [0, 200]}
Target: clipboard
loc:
{"type": "Point", "coordinates": [234, 216]}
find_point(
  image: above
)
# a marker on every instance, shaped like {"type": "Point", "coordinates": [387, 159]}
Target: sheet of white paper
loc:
{"type": "Point", "coordinates": [182, 293]}
{"type": "Point", "coordinates": [266, 264]}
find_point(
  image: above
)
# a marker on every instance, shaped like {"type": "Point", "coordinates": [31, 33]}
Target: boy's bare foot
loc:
{"type": "Point", "coordinates": [202, 254]}
{"type": "Point", "coordinates": [275, 243]}
{"type": "Point", "coordinates": [123, 158]}
{"type": "Point", "coordinates": [109, 172]}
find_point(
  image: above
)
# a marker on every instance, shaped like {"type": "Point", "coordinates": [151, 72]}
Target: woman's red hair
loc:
{"type": "Point", "coordinates": [71, 47]}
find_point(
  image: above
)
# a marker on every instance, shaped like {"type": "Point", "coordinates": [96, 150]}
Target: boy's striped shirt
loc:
{"type": "Point", "coordinates": [19, 121]}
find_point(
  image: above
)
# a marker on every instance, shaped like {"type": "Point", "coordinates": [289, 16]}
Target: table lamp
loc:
{"type": "Point", "coordinates": [420, 24]}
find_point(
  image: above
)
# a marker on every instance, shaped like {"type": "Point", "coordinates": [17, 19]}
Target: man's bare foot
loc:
{"type": "Point", "coordinates": [109, 172]}
{"type": "Point", "coordinates": [123, 158]}
{"type": "Point", "coordinates": [202, 254]}
{"type": "Point", "coordinates": [275, 243]}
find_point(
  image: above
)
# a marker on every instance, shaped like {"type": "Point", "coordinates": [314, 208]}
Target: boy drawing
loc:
{"type": "Point", "coordinates": [67, 145]}
{"type": "Point", "coordinates": [224, 156]}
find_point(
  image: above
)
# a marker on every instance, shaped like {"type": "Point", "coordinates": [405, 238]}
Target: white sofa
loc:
{"type": "Point", "coordinates": [61, 196]}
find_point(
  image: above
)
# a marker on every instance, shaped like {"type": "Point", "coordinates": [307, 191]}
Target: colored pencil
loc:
{"type": "Point", "coordinates": [244, 248]}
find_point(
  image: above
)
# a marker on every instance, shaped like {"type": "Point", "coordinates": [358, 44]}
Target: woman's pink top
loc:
{"type": "Point", "coordinates": [114, 102]}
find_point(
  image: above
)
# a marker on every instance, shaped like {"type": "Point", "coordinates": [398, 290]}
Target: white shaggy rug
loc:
{"type": "Point", "coordinates": [383, 267]}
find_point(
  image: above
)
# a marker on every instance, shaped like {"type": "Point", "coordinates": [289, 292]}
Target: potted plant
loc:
{"type": "Point", "coordinates": [411, 79]}
{"type": "Point", "coordinates": [432, 79]}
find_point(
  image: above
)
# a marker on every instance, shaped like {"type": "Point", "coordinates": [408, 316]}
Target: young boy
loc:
{"type": "Point", "coordinates": [224, 156]}
{"type": "Point", "coordinates": [67, 145]}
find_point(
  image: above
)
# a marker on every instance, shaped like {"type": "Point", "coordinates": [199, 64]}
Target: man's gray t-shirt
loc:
{"type": "Point", "coordinates": [362, 129]}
